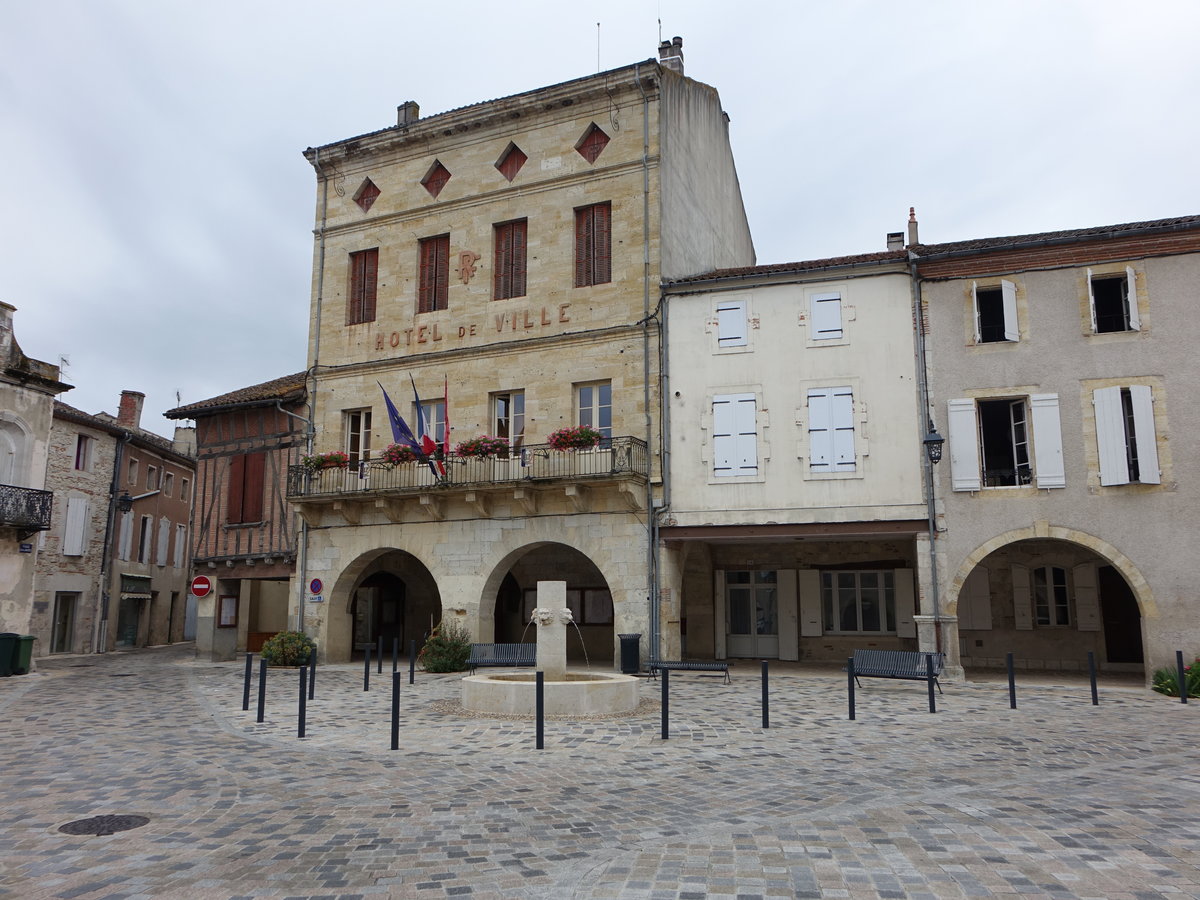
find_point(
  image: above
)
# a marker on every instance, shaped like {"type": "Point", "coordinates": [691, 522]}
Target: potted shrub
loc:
{"type": "Point", "coordinates": [447, 649]}
{"type": "Point", "coordinates": [577, 437]}
{"type": "Point", "coordinates": [398, 454]}
{"type": "Point", "coordinates": [288, 648]}
{"type": "Point", "coordinates": [333, 460]}
{"type": "Point", "coordinates": [484, 445]}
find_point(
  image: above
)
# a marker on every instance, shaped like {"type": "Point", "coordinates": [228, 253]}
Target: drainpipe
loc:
{"type": "Point", "coordinates": [100, 633]}
{"type": "Point", "coordinates": [302, 549]}
{"type": "Point", "coordinates": [925, 417]}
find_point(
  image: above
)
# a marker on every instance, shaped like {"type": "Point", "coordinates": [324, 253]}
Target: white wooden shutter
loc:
{"type": "Point", "coordinates": [975, 308]}
{"type": "Point", "coordinates": [1022, 599]}
{"type": "Point", "coordinates": [825, 316]}
{"type": "Point", "coordinates": [1135, 321]}
{"type": "Point", "coordinates": [731, 323]}
{"type": "Point", "coordinates": [789, 641]}
{"type": "Point", "coordinates": [1008, 292]}
{"type": "Point", "coordinates": [735, 435]}
{"type": "Point", "coordinates": [724, 444]}
{"type": "Point", "coordinates": [809, 584]}
{"type": "Point", "coordinates": [719, 627]}
{"type": "Point", "coordinates": [1144, 434]}
{"type": "Point", "coordinates": [126, 535]}
{"type": "Point", "coordinates": [975, 602]}
{"type": "Point", "coordinates": [1047, 441]}
{"type": "Point", "coordinates": [76, 526]}
{"type": "Point", "coordinates": [1087, 598]}
{"type": "Point", "coordinates": [820, 431]}
{"type": "Point", "coordinates": [964, 445]}
{"type": "Point", "coordinates": [1091, 300]}
{"type": "Point", "coordinates": [906, 626]}
{"type": "Point", "coordinates": [164, 538]}
{"type": "Point", "coordinates": [745, 421]}
{"type": "Point", "coordinates": [180, 544]}
{"type": "Point", "coordinates": [1110, 436]}
{"type": "Point", "coordinates": [843, 429]}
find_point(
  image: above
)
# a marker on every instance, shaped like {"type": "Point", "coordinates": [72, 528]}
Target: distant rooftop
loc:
{"type": "Point", "coordinates": [289, 387]}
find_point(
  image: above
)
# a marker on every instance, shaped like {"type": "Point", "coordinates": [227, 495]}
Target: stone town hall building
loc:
{"type": "Point", "coordinates": [502, 262]}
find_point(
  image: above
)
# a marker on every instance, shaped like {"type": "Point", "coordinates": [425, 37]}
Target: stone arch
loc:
{"type": "Point", "coordinates": [16, 442]}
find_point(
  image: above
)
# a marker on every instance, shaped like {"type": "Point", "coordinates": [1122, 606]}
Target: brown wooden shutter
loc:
{"type": "Point", "coordinates": [364, 275]}
{"type": "Point", "coordinates": [236, 490]}
{"type": "Point", "coordinates": [500, 273]}
{"type": "Point", "coordinates": [518, 258]}
{"type": "Point", "coordinates": [252, 492]}
{"type": "Point", "coordinates": [370, 280]}
{"type": "Point", "coordinates": [602, 236]}
{"type": "Point", "coordinates": [583, 245]}
{"type": "Point", "coordinates": [442, 292]}
{"type": "Point", "coordinates": [428, 284]}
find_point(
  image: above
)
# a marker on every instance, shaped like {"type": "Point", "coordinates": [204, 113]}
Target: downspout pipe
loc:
{"type": "Point", "coordinates": [100, 636]}
{"type": "Point", "coordinates": [925, 421]}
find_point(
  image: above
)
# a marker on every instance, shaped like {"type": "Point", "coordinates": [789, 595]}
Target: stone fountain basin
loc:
{"type": "Point", "coordinates": [574, 693]}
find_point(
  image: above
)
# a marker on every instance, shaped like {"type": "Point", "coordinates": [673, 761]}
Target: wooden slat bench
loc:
{"type": "Point", "coordinates": [906, 664]}
{"type": "Point", "coordinates": [708, 669]}
{"type": "Point", "coordinates": [502, 655]}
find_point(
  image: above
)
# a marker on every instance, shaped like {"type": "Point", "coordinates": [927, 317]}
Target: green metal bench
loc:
{"type": "Point", "coordinates": [909, 665]}
{"type": "Point", "coordinates": [502, 655]}
{"type": "Point", "coordinates": [717, 669]}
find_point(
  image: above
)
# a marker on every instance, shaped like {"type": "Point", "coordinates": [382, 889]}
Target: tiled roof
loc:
{"type": "Point", "coordinates": [1081, 234]}
{"type": "Point", "coordinates": [71, 414]}
{"type": "Point", "coordinates": [289, 387]}
{"type": "Point", "coordinates": [804, 266]}
{"type": "Point", "coordinates": [105, 422]}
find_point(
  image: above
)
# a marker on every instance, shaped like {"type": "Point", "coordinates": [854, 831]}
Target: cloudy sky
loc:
{"type": "Point", "coordinates": [156, 228]}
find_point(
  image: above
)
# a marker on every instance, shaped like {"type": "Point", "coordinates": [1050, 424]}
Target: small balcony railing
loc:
{"type": "Point", "coordinates": [614, 458]}
{"type": "Point", "coordinates": [25, 509]}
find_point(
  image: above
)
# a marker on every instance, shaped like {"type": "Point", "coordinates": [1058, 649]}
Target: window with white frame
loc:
{"type": "Point", "coordinates": [1051, 601]}
{"type": "Point", "coordinates": [83, 452]}
{"type": "Point", "coordinates": [180, 545]}
{"type": "Point", "coordinates": [151, 478]}
{"type": "Point", "coordinates": [431, 419]}
{"type": "Point", "coordinates": [995, 312]}
{"type": "Point", "coordinates": [831, 430]}
{"type": "Point", "coordinates": [735, 435]}
{"type": "Point", "coordinates": [1006, 442]}
{"type": "Point", "coordinates": [731, 323]}
{"type": "Point", "coordinates": [126, 539]}
{"type": "Point", "coordinates": [593, 406]}
{"type": "Point", "coordinates": [168, 483]}
{"type": "Point", "coordinates": [508, 417]}
{"type": "Point", "coordinates": [1125, 435]}
{"type": "Point", "coordinates": [145, 539]}
{"type": "Point", "coordinates": [185, 490]}
{"type": "Point", "coordinates": [75, 527]}
{"type": "Point", "coordinates": [825, 316]}
{"type": "Point", "coordinates": [1113, 302]}
{"type": "Point", "coordinates": [133, 473]}
{"type": "Point", "coordinates": [859, 601]}
{"type": "Point", "coordinates": [164, 538]}
{"type": "Point", "coordinates": [357, 424]}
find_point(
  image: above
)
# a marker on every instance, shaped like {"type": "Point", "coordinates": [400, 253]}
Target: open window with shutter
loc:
{"type": "Point", "coordinates": [995, 312]}
{"type": "Point", "coordinates": [1113, 302]}
{"type": "Point", "coordinates": [434, 275]}
{"type": "Point", "coordinates": [735, 435]}
{"type": "Point", "coordinates": [508, 279]}
{"type": "Point", "coordinates": [593, 244]}
{"type": "Point", "coordinates": [825, 316]}
{"type": "Point", "coordinates": [1125, 435]}
{"type": "Point", "coordinates": [245, 492]}
{"type": "Point", "coordinates": [364, 276]}
{"type": "Point", "coordinates": [831, 430]}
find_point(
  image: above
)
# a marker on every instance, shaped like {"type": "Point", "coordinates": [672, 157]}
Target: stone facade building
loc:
{"type": "Point", "coordinates": [501, 262]}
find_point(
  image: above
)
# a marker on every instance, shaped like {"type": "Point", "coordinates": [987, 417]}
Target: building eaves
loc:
{"type": "Point", "coordinates": [774, 270]}
{"type": "Point", "coordinates": [138, 436]}
{"type": "Point", "coordinates": [289, 388]}
{"type": "Point", "coordinates": [1053, 238]}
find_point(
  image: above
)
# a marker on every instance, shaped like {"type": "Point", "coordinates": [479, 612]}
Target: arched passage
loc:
{"type": "Point", "coordinates": [1049, 596]}
{"type": "Point", "coordinates": [387, 593]}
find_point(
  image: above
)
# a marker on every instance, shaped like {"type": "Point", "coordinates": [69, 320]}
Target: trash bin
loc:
{"type": "Point", "coordinates": [631, 661]}
{"type": "Point", "coordinates": [23, 654]}
{"type": "Point", "coordinates": [8, 653]}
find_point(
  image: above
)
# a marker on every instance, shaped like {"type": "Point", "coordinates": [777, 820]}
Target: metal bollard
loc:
{"type": "Point", "coordinates": [246, 684]}
{"type": "Point", "coordinates": [366, 667]}
{"type": "Point", "coordinates": [1092, 672]}
{"type": "Point", "coordinates": [1183, 695]}
{"type": "Point", "coordinates": [312, 673]}
{"type": "Point", "coordinates": [666, 703]}
{"type": "Point", "coordinates": [262, 688]}
{"type": "Point", "coordinates": [766, 699]}
{"type": "Point", "coordinates": [395, 653]}
{"type": "Point", "coordinates": [412, 661]}
{"type": "Point", "coordinates": [379, 663]}
{"type": "Point", "coordinates": [302, 710]}
{"type": "Point", "coordinates": [850, 684]}
{"type": "Point", "coordinates": [1012, 682]}
{"type": "Point", "coordinates": [541, 709]}
{"type": "Point", "coordinates": [929, 682]}
{"type": "Point", "coordinates": [395, 710]}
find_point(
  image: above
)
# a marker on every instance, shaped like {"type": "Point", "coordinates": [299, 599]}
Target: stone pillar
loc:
{"type": "Point", "coordinates": [928, 639]}
{"type": "Point", "coordinates": [552, 628]}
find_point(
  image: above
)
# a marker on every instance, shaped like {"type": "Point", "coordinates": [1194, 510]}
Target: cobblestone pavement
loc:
{"type": "Point", "coordinates": [1058, 798]}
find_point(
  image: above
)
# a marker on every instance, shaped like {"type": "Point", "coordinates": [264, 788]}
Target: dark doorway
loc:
{"type": "Point", "coordinates": [1122, 618]}
{"type": "Point", "coordinates": [379, 611]}
{"type": "Point", "coordinates": [509, 626]}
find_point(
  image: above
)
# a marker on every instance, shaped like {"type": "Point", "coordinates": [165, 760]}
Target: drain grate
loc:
{"type": "Point", "coordinates": [122, 675]}
{"type": "Point", "coordinates": [103, 824]}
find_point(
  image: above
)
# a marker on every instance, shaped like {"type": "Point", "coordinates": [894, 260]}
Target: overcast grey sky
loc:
{"type": "Point", "coordinates": [158, 212]}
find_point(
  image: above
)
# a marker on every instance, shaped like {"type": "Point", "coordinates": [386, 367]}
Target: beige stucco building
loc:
{"type": "Point", "coordinates": [503, 262]}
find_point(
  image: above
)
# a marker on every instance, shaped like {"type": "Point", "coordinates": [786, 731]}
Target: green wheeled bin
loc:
{"type": "Point", "coordinates": [23, 655]}
{"type": "Point", "coordinates": [8, 653]}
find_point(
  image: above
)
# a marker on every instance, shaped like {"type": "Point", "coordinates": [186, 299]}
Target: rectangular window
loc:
{"type": "Point", "coordinates": [180, 545]}
{"type": "Point", "coordinates": [245, 493]}
{"type": "Point", "coordinates": [357, 426]}
{"type": "Point", "coordinates": [859, 601]}
{"type": "Point", "coordinates": [431, 420]}
{"type": "Point", "coordinates": [735, 435]}
{"type": "Point", "coordinates": [1113, 300]}
{"type": "Point", "coordinates": [995, 313]}
{"type": "Point", "coordinates": [132, 478]}
{"type": "Point", "coordinates": [731, 323]}
{"type": "Point", "coordinates": [164, 540]}
{"type": "Point", "coordinates": [508, 279]}
{"type": "Point", "coordinates": [991, 442]}
{"type": "Point", "coordinates": [434, 285]}
{"type": "Point", "coordinates": [593, 406]}
{"type": "Point", "coordinates": [825, 316]}
{"type": "Point", "coordinates": [83, 452]}
{"type": "Point", "coordinates": [1004, 440]}
{"type": "Point", "coordinates": [75, 528]}
{"type": "Point", "coordinates": [831, 430]}
{"type": "Point", "coordinates": [1051, 603]}
{"type": "Point", "coordinates": [145, 539]}
{"type": "Point", "coordinates": [1125, 435]}
{"type": "Point", "coordinates": [364, 276]}
{"type": "Point", "coordinates": [508, 417]}
{"type": "Point", "coordinates": [593, 244]}
{"type": "Point", "coordinates": [124, 546]}
{"type": "Point", "coordinates": [185, 490]}
{"type": "Point", "coordinates": [151, 478]}
{"type": "Point", "coordinates": [168, 483]}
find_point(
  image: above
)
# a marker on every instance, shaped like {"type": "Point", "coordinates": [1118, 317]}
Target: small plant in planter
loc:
{"type": "Point", "coordinates": [1166, 680]}
{"type": "Point", "coordinates": [397, 454]}
{"type": "Point", "coordinates": [288, 648]}
{"type": "Point", "coordinates": [447, 649]}
{"type": "Point", "coordinates": [333, 460]}
{"type": "Point", "coordinates": [483, 445]}
{"type": "Point", "coordinates": [578, 437]}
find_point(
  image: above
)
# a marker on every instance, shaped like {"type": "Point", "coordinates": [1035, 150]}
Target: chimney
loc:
{"type": "Point", "coordinates": [912, 227]}
{"type": "Point", "coordinates": [130, 412]}
{"type": "Point", "coordinates": [408, 113]}
{"type": "Point", "coordinates": [6, 329]}
{"type": "Point", "coordinates": [895, 240]}
{"type": "Point", "coordinates": [670, 54]}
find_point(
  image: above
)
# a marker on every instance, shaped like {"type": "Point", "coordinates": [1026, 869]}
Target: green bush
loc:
{"type": "Point", "coordinates": [1166, 680]}
{"type": "Point", "coordinates": [447, 649]}
{"type": "Point", "coordinates": [288, 648]}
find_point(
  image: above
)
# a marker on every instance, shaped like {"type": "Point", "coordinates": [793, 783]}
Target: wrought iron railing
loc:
{"type": "Point", "coordinates": [615, 457]}
{"type": "Point", "coordinates": [25, 509]}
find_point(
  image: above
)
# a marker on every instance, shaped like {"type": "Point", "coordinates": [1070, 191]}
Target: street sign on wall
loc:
{"type": "Point", "coordinates": [201, 585]}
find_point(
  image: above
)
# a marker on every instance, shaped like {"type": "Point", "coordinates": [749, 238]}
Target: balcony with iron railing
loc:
{"type": "Point", "coordinates": [25, 509]}
{"type": "Point", "coordinates": [620, 461]}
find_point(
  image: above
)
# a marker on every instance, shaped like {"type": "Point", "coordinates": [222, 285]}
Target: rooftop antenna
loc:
{"type": "Point", "coordinates": [597, 46]}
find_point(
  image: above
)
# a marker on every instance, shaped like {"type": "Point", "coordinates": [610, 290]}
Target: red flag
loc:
{"type": "Point", "coordinates": [446, 407]}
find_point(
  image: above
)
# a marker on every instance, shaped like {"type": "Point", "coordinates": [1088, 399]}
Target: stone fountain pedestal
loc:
{"type": "Point", "coordinates": [565, 693]}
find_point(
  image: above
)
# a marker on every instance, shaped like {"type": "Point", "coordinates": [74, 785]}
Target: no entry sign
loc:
{"type": "Point", "coordinates": [201, 585]}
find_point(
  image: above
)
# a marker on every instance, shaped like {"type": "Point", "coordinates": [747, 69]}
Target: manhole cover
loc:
{"type": "Point", "coordinates": [121, 675]}
{"type": "Point", "coordinates": [103, 824]}
{"type": "Point", "coordinates": [82, 665]}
